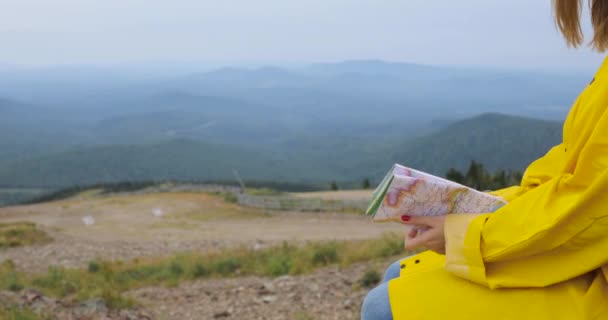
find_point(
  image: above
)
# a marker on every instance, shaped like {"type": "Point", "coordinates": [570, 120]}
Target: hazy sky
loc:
{"type": "Point", "coordinates": [510, 33]}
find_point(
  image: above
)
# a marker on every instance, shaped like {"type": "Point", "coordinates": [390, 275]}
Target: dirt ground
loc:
{"type": "Point", "coordinates": [328, 294]}
{"type": "Point", "coordinates": [151, 225]}
{"type": "Point", "coordinates": [126, 227]}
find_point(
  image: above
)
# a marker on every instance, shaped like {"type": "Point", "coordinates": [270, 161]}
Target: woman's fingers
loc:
{"type": "Point", "coordinates": [419, 220]}
{"type": "Point", "coordinates": [420, 240]}
{"type": "Point", "coordinates": [428, 232]}
{"type": "Point", "coordinates": [412, 233]}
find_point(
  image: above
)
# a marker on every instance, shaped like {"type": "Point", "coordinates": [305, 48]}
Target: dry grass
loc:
{"type": "Point", "coordinates": [21, 234]}
{"type": "Point", "coordinates": [19, 313]}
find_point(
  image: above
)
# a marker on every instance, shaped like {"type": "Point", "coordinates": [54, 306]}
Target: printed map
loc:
{"type": "Point", "coordinates": [412, 192]}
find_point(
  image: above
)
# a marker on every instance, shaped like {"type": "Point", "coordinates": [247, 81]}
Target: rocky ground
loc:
{"type": "Point", "coordinates": [126, 228]}
{"type": "Point", "coordinates": [329, 293]}
{"type": "Point", "coordinates": [74, 252]}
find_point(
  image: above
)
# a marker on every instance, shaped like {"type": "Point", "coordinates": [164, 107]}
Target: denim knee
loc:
{"type": "Point", "coordinates": [376, 305]}
{"type": "Point", "coordinates": [392, 272]}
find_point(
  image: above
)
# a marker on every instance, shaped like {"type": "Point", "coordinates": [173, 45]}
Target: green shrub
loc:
{"type": "Point", "coordinates": [227, 266]}
{"type": "Point", "coordinates": [230, 197]}
{"type": "Point", "coordinates": [175, 269]}
{"type": "Point", "coordinates": [139, 273]}
{"type": "Point", "coordinates": [278, 265]}
{"type": "Point", "coordinates": [369, 279]}
{"type": "Point", "coordinates": [325, 254]}
{"type": "Point", "coordinates": [94, 267]}
{"type": "Point", "coordinates": [200, 271]}
{"type": "Point", "coordinates": [15, 286]}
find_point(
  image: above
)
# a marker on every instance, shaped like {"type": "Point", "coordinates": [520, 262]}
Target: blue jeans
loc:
{"type": "Point", "coordinates": [376, 305]}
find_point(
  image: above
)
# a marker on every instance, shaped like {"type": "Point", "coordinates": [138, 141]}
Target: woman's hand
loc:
{"type": "Point", "coordinates": [427, 234]}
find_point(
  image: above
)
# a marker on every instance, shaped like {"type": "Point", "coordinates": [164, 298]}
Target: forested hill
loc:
{"type": "Point", "coordinates": [498, 141]}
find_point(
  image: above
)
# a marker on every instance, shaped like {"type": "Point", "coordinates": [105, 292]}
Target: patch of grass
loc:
{"type": "Point", "coordinates": [200, 271]}
{"type": "Point", "coordinates": [227, 266]}
{"type": "Point", "coordinates": [370, 278]}
{"type": "Point", "coordinates": [302, 315]}
{"type": "Point", "coordinates": [278, 265]}
{"type": "Point", "coordinates": [21, 234]}
{"type": "Point", "coordinates": [19, 313]}
{"type": "Point", "coordinates": [387, 246]}
{"type": "Point", "coordinates": [10, 279]}
{"type": "Point", "coordinates": [110, 279]}
{"type": "Point", "coordinates": [324, 254]}
{"type": "Point", "coordinates": [94, 266]}
{"type": "Point", "coordinates": [230, 197]}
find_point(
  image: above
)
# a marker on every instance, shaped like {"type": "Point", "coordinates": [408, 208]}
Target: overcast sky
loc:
{"type": "Point", "coordinates": [513, 33]}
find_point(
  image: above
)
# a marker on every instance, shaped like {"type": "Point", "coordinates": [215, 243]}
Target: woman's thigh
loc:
{"type": "Point", "coordinates": [376, 305]}
{"type": "Point", "coordinates": [392, 272]}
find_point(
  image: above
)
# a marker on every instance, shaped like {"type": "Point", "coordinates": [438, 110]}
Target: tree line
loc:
{"type": "Point", "coordinates": [476, 177]}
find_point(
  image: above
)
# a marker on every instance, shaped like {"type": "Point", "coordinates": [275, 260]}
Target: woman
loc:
{"type": "Point", "coordinates": [542, 256]}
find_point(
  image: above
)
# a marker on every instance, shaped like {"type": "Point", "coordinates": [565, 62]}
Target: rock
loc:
{"type": "Point", "coordinates": [265, 289]}
{"type": "Point", "coordinates": [31, 295]}
{"type": "Point", "coordinates": [313, 287]}
{"type": "Point", "coordinates": [283, 278]}
{"type": "Point", "coordinates": [269, 299]}
{"type": "Point", "coordinates": [259, 245]}
{"type": "Point", "coordinates": [347, 304]}
{"type": "Point", "coordinates": [88, 220]}
{"type": "Point", "coordinates": [223, 314]}
{"type": "Point", "coordinates": [92, 306]}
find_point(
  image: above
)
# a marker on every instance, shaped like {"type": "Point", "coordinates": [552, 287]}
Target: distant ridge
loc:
{"type": "Point", "coordinates": [496, 140]}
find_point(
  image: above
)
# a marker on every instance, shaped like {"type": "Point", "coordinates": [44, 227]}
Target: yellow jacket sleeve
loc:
{"type": "Point", "coordinates": [509, 194]}
{"type": "Point", "coordinates": [539, 172]}
{"type": "Point", "coordinates": [555, 231]}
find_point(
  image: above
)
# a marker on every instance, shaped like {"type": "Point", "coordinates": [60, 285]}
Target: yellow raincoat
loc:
{"type": "Point", "coordinates": [542, 256]}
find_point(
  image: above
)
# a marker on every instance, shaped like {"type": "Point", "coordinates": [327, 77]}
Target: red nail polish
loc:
{"type": "Point", "coordinates": [405, 218]}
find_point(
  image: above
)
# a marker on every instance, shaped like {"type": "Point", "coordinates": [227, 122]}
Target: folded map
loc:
{"type": "Point", "coordinates": [408, 191]}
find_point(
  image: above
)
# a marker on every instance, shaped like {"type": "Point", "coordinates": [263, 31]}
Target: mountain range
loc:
{"type": "Point", "coordinates": [499, 141]}
{"type": "Point", "coordinates": [333, 121]}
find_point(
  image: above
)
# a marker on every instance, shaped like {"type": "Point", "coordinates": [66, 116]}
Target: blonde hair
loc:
{"type": "Point", "coordinates": [568, 16]}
